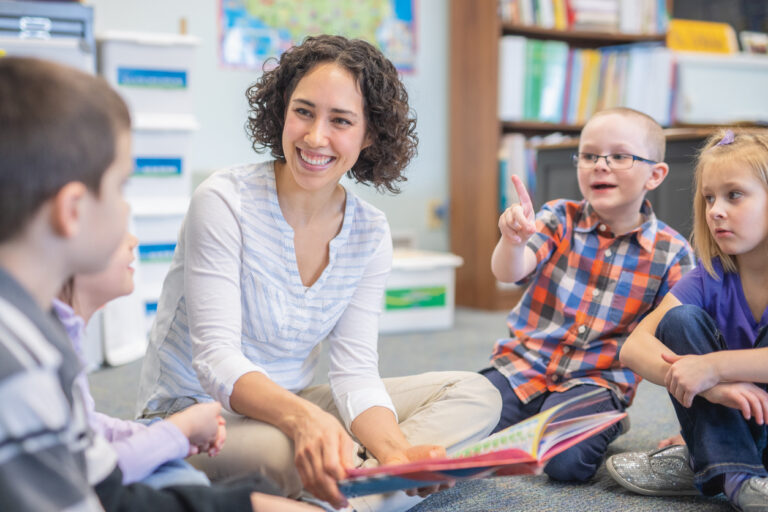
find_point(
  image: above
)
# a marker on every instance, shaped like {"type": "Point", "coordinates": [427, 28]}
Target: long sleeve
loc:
{"type": "Point", "coordinates": [212, 290]}
{"type": "Point", "coordinates": [354, 373]}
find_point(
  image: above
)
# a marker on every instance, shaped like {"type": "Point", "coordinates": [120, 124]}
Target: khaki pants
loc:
{"type": "Point", "coordinates": [445, 408]}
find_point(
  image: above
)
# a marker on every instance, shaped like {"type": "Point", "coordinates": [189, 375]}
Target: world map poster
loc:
{"type": "Point", "coordinates": [252, 31]}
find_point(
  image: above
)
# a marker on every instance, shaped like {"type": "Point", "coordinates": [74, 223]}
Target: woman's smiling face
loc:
{"type": "Point", "coordinates": [325, 128]}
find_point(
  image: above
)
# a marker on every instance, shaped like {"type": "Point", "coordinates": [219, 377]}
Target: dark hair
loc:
{"type": "Point", "coordinates": [57, 125]}
{"type": "Point", "coordinates": [390, 127]}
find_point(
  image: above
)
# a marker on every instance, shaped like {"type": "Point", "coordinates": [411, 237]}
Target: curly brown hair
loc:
{"type": "Point", "coordinates": [390, 123]}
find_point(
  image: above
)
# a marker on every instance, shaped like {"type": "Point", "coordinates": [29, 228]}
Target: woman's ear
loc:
{"type": "Point", "coordinates": [66, 209]}
{"type": "Point", "coordinates": [659, 171]}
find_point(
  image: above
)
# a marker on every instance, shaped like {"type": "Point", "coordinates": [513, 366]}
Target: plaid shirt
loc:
{"type": "Point", "coordinates": [589, 291]}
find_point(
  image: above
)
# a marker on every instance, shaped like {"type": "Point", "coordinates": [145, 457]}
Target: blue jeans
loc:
{"type": "Point", "coordinates": [719, 439]}
{"type": "Point", "coordinates": [578, 463]}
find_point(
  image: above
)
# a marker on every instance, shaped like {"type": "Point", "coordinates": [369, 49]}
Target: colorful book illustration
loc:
{"type": "Point", "coordinates": [523, 448]}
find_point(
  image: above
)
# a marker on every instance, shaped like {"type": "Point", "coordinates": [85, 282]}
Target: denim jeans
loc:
{"type": "Point", "coordinates": [578, 463]}
{"type": "Point", "coordinates": [719, 439]}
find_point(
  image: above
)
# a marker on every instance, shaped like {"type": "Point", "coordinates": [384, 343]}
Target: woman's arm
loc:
{"type": "Point", "coordinates": [322, 447]}
{"type": "Point", "coordinates": [642, 351]}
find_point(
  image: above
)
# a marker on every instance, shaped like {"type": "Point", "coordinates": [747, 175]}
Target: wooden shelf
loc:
{"type": "Point", "coordinates": [578, 37]}
{"type": "Point", "coordinates": [538, 128]}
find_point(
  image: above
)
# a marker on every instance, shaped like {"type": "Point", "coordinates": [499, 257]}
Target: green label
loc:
{"type": "Point", "coordinates": [408, 298]}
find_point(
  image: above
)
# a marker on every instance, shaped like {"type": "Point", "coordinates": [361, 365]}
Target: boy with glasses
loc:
{"type": "Point", "coordinates": [594, 267]}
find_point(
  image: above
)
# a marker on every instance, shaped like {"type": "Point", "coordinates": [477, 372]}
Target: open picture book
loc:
{"type": "Point", "coordinates": [523, 448]}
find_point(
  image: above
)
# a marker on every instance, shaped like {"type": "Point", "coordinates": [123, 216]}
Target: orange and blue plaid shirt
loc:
{"type": "Point", "coordinates": [589, 291]}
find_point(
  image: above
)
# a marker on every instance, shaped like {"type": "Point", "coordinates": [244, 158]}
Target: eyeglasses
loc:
{"type": "Point", "coordinates": [616, 161]}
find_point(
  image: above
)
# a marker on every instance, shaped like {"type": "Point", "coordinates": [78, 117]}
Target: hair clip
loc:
{"type": "Point", "coordinates": [728, 138]}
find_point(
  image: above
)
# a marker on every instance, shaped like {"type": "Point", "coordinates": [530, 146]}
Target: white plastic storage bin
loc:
{"type": "Point", "coordinates": [420, 291]}
{"type": "Point", "coordinates": [157, 222]}
{"type": "Point", "coordinates": [161, 146]}
{"type": "Point", "coordinates": [717, 89]}
{"type": "Point", "coordinates": [153, 72]}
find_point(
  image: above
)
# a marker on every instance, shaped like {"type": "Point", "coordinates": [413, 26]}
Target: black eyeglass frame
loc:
{"type": "Point", "coordinates": [575, 159]}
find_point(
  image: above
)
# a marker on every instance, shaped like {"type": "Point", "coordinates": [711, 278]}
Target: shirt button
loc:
{"type": "Point", "coordinates": [555, 378]}
{"type": "Point", "coordinates": [595, 292]}
{"type": "Point", "coordinates": [566, 350]}
{"type": "Point", "coordinates": [581, 329]}
{"type": "Point", "coordinates": [608, 253]}
{"type": "Point", "coordinates": [602, 227]}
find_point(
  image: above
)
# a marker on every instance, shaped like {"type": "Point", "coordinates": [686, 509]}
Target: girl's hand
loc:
{"type": "Point", "coordinates": [688, 376]}
{"type": "Point", "coordinates": [200, 424]}
{"type": "Point", "coordinates": [518, 222]}
{"type": "Point", "coordinates": [221, 437]}
{"type": "Point", "coordinates": [751, 400]}
{"type": "Point", "coordinates": [323, 451]}
{"type": "Point", "coordinates": [416, 453]}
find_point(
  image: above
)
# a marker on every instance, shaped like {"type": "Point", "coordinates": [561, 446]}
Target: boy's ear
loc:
{"type": "Point", "coordinates": [659, 171]}
{"type": "Point", "coordinates": [66, 209]}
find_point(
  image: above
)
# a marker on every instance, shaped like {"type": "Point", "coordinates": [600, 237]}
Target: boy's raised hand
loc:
{"type": "Point", "coordinates": [518, 222]}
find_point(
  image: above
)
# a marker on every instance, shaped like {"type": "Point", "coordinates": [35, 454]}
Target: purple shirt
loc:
{"type": "Point", "coordinates": [723, 299]}
{"type": "Point", "coordinates": [140, 448]}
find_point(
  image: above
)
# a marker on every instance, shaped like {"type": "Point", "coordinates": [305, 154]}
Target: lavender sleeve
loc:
{"type": "Point", "coordinates": [140, 453]}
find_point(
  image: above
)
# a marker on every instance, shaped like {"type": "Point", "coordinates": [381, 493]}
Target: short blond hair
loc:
{"type": "Point", "coordinates": [654, 136]}
{"type": "Point", "coordinates": [749, 148]}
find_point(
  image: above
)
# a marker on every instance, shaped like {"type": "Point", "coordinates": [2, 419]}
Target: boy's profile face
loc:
{"type": "Point", "coordinates": [105, 217]}
{"type": "Point", "coordinates": [616, 195]}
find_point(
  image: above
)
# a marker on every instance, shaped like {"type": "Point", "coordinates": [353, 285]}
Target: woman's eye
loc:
{"type": "Point", "coordinates": [342, 121]}
{"type": "Point", "coordinates": [302, 111]}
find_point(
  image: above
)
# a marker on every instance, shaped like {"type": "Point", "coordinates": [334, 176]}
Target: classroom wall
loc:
{"type": "Point", "coordinates": [219, 96]}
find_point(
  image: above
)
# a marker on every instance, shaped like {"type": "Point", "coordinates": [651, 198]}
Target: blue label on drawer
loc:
{"type": "Point", "coordinates": [157, 167]}
{"type": "Point", "coordinates": [156, 253]}
{"type": "Point", "coordinates": [153, 78]}
{"type": "Point", "coordinates": [150, 308]}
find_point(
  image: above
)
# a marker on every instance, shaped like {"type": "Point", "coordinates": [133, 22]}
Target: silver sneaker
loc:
{"type": "Point", "coordinates": [753, 495]}
{"type": "Point", "coordinates": [662, 472]}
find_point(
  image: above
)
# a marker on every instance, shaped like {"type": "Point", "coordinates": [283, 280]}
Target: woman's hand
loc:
{"type": "Point", "coordinates": [323, 451]}
{"type": "Point", "coordinates": [748, 398]}
{"type": "Point", "coordinates": [416, 453]}
{"type": "Point", "coordinates": [688, 376]}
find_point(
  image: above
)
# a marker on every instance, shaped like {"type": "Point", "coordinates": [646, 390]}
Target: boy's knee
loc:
{"type": "Point", "coordinates": [573, 465]}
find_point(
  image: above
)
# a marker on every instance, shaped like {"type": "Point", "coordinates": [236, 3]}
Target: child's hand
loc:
{"type": "Point", "coordinates": [688, 376]}
{"type": "Point", "coordinates": [751, 400]}
{"type": "Point", "coordinates": [518, 222]}
{"type": "Point", "coordinates": [200, 424]}
{"type": "Point", "coordinates": [221, 437]}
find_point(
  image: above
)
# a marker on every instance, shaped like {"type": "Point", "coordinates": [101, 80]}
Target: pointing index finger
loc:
{"type": "Point", "coordinates": [522, 194]}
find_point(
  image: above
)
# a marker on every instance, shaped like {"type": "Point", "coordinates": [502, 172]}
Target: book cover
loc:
{"type": "Point", "coordinates": [511, 77]}
{"type": "Point", "coordinates": [555, 66]}
{"type": "Point", "coordinates": [701, 36]}
{"type": "Point", "coordinates": [523, 448]}
{"type": "Point", "coordinates": [534, 69]}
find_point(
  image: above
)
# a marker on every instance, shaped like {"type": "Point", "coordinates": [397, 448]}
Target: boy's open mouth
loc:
{"type": "Point", "coordinates": [603, 186]}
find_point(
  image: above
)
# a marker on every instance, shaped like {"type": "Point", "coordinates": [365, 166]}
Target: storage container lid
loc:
{"type": "Point", "coordinates": [414, 259]}
{"type": "Point", "coordinates": [148, 38]}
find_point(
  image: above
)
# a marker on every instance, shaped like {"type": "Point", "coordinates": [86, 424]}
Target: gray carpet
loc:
{"type": "Point", "coordinates": [467, 347]}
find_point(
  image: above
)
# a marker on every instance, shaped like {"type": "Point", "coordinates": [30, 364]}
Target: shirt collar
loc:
{"type": "Point", "coordinates": [645, 233]}
{"type": "Point", "coordinates": [73, 324]}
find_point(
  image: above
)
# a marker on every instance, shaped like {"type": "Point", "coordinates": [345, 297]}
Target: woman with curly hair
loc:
{"type": "Point", "coordinates": [273, 258]}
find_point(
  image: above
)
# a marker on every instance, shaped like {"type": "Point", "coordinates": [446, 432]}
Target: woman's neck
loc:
{"type": "Point", "coordinates": [301, 207]}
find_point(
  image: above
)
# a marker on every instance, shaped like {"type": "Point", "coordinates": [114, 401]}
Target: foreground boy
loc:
{"type": "Point", "coordinates": [595, 267]}
{"type": "Point", "coordinates": [64, 158]}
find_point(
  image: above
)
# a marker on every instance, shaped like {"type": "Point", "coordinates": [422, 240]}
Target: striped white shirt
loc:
{"type": "Point", "coordinates": [233, 301]}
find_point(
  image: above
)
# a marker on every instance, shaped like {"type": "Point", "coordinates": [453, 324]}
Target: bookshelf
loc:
{"type": "Point", "coordinates": [474, 137]}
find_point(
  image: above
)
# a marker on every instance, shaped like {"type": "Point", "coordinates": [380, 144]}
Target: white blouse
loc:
{"type": "Point", "coordinates": [233, 301]}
